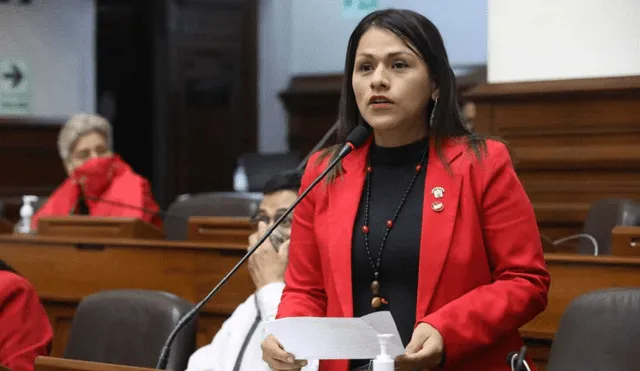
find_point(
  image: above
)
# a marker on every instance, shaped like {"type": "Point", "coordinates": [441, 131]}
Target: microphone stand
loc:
{"type": "Point", "coordinates": [360, 134]}
{"type": "Point", "coordinates": [132, 207]}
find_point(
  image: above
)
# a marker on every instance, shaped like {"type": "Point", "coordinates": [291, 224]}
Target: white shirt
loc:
{"type": "Point", "coordinates": [222, 353]}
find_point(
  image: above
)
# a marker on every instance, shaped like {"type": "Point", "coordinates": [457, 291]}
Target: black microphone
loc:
{"type": "Point", "coordinates": [132, 207]}
{"type": "Point", "coordinates": [357, 138]}
{"type": "Point", "coordinates": [516, 360]}
{"type": "Point", "coordinates": [83, 196]}
{"type": "Point", "coordinates": [156, 213]}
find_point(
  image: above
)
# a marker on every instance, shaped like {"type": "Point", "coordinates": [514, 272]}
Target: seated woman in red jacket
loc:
{"type": "Point", "coordinates": [99, 183]}
{"type": "Point", "coordinates": [25, 332]}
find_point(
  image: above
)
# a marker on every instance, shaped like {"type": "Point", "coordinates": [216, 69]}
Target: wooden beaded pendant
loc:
{"type": "Point", "coordinates": [378, 301]}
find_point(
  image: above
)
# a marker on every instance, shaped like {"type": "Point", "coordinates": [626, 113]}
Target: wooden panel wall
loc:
{"type": "Point", "coordinates": [573, 142]}
{"type": "Point", "coordinates": [312, 104]}
{"type": "Point", "coordinates": [29, 160]}
{"type": "Point", "coordinates": [206, 97]}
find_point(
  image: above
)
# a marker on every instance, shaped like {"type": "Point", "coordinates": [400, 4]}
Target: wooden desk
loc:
{"type": "Point", "coordinates": [66, 269]}
{"type": "Point", "coordinates": [43, 363]}
{"type": "Point", "coordinates": [98, 226]}
{"type": "Point", "coordinates": [625, 241]}
{"type": "Point", "coordinates": [572, 276]}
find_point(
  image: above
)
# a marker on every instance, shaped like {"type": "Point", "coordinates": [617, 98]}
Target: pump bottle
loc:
{"type": "Point", "coordinates": [26, 213]}
{"type": "Point", "coordinates": [383, 362]}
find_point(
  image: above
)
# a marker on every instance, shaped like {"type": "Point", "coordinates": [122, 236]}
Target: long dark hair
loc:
{"type": "Point", "coordinates": [6, 267]}
{"type": "Point", "coordinates": [424, 38]}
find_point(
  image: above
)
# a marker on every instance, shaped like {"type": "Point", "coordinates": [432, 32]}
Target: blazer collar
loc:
{"type": "Point", "coordinates": [439, 211]}
{"type": "Point", "coordinates": [437, 228]}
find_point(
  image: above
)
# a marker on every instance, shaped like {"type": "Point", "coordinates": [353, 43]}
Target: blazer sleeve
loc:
{"type": "Point", "coordinates": [61, 202]}
{"type": "Point", "coordinates": [25, 331]}
{"type": "Point", "coordinates": [304, 292]}
{"type": "Point", "coordinates": [520, 280]}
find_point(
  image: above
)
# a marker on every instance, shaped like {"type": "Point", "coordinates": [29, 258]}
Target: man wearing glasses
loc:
{"type": "Point", "coordinates": [236, 347]}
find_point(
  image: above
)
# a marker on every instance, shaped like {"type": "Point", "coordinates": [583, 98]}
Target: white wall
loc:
{"type": "Point", "coordinates": [56, 38]}
{"type": "Point", "coordinates": [274, 72]}
{"type": "Point", "coordinates": [320, 33]}
{"type": "Point", "coordinates": [552, 40]}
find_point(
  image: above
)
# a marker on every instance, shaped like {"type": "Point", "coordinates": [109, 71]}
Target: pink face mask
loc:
{"type": "Point", "coordinates": [95, 175]}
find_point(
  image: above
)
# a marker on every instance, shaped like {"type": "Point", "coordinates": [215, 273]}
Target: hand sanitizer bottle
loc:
{"type": "Point", "coordinates": [383, 362]}
{"type": "Point", "coordinates": [26, 213]}
{"type": "Point", "coordinates": [240, 179]}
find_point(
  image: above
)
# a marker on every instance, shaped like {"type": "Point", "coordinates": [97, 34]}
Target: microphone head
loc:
{"type": "Point", "coordinates": [359, 135]}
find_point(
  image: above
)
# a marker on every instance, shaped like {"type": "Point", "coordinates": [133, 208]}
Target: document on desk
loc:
{"type": "Point", "coordinates": [336, 338]}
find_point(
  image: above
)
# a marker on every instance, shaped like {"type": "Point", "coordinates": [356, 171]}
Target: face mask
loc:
{"type": "Point", "coordinates": [95, 175]}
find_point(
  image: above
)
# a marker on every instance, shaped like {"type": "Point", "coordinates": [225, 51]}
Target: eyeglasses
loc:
{"type": "Point", "coordinates": [261, 217]}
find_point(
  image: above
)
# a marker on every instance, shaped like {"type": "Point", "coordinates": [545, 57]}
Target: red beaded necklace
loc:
{"type": "Point", "coordinates": [377, 300]}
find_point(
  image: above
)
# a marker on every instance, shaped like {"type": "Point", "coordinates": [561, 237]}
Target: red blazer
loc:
{"type": "Point", "coordinates": [482, 273]}
{"type": "Point", "coordinates": [25, 332]}
{"type": "Point", "coordinates": [126, 188]}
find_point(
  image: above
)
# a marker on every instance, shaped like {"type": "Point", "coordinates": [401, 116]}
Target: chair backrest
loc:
{"type": "Point", "coordinates": [234, 204]}
{"type": "Point", "coordinates": [603, 216]}
{"type": "Point", "coordinates": [599, 331]}
{"type": "Point", "coordinates": [261, 168]}
{"type": "Point", "coordinates": [129, 327]}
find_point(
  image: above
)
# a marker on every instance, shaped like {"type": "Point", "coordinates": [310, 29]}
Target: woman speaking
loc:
{"type": "Point", "coordinates": [428, 220]}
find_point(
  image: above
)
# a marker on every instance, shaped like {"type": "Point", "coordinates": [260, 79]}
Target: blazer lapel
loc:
{"type": "Point", "coordinates": [345, 194]}
{"type": "Point", "coordinates": [442, 190]}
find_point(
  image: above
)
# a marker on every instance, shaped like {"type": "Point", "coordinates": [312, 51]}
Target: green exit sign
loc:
{"type": "Point", "coordinates": [357, 9]}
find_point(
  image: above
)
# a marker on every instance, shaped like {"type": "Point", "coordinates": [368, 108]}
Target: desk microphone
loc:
{"type": "Point", "coordinates": [128, 206]}
{"type": "Point", "coordinates": [357, 138]}
{"type": "Point", "coordinates": [516, 360]}
{"type": "Point", "coordinates": [156, 213]}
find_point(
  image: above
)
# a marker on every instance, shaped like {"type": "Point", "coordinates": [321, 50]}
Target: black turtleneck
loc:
{"type": "Point", "coordinates": [393, 169]}
{"type": "Point", "coordinates": [82, 208]}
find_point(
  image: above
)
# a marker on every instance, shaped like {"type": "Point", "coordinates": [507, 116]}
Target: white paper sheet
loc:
{"type": "Point", "coordinates": [336, 338]}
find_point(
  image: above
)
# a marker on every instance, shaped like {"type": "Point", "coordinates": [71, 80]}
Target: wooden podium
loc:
{"type": "Point", "coordinates": [625, 241]}
{"type": "Point", "coordinates": [232, 232]}
{"type": "Point", "coordinates": [62, 364]}
{"type": "Point", "coordinates": [101, 227]}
